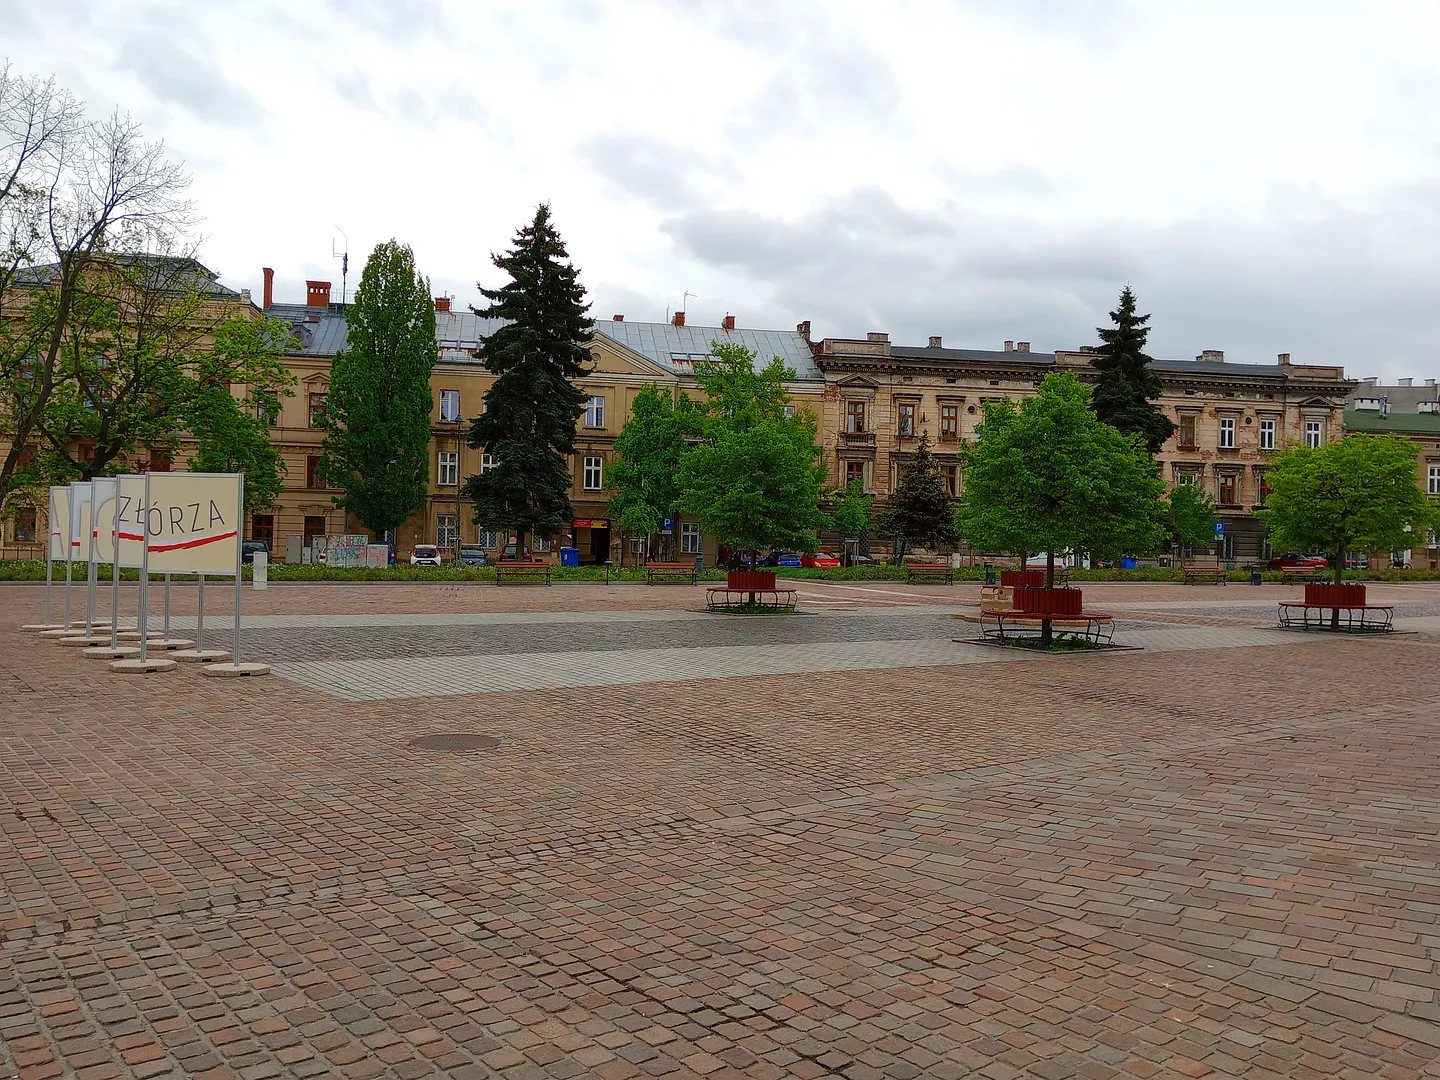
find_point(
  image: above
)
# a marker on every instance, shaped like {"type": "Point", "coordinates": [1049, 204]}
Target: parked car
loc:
{"type": "Point", "coordinates": [864, 560]}
{"type": "Point", "coordinates": [248, 548]}
{"type": "Point", "coordinates": [787, 558]}
{"type": "Point", "coordinates": [471, 555]}
{"type": "Point", "coordinates": [820, 559]}
{"type": "Point", "coordinates": [1296, 561]}
{"type": "Point", "coordinates": [509, 555]}
{"type": "Point", "coordinates": [425, 555]}
{"type": "Point", "coordinates": [1064, 560]}
{"type": "Point", "coordinates": [1357, 561]}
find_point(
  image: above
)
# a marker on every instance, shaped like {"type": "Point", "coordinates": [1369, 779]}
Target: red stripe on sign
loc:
{"type": "Point", "coordinates": [200, 542]}
{"type": "Point", "coordinates": [131, 536]}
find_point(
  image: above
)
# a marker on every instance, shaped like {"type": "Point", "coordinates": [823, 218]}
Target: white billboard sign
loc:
{"type": "Point", "coordinates": [79, 519]}
{"type": "Point", "coordinates": [130, 520]}
{"type": "Point", "coordinates": [192, 522]}
{"type": "Point", "coordinates": [103, 489]}
{"type": "Point", "coordinates": [59, 520]}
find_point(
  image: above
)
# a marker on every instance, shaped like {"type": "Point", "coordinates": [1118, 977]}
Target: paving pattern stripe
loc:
{"type": "Point", "coordinates": [369, 680]}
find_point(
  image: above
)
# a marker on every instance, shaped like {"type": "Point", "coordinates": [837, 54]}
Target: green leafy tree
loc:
{"type": "Point", "coordinates": [377, 414]}
{"type": "Point", "coordinates": [756, 477]}
{"type": "Point", "coordinates": [644, 473]}
{"type": "Point", "coordinates": [233, 433]}
{"type": "Point", "coordinates": [1191, 516]}
{"type": "Point", "coordinates": [1051, 477]}
{"type": "Point", "coordinates": [1125, 392]}
{"type": "Point", "coordinates": [920, 512]}
{"type": "Point", "coordinates": [1357, 494]}
{"type": "Point", "coordinates": [531, 409]}
{"type": "Point", "coordinates": [854, 510]}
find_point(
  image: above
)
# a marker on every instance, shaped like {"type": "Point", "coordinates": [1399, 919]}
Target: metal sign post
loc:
{"type": "Point", "coordinates": [200, 618]}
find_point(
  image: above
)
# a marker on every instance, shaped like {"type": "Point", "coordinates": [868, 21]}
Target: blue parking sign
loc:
{"type": "Point", "coordinates": [1219, 528]}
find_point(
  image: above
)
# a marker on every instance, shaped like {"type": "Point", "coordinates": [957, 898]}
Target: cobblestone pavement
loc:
{"type": "Point", "coordinates": [1186, 861]}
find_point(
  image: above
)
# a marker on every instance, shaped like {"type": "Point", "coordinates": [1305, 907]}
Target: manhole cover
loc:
{"type": "Point", "coordinates": [455, 742]}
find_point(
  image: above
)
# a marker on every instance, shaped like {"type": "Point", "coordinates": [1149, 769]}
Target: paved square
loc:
{"type": "Point", "coordinates": [834, 845]}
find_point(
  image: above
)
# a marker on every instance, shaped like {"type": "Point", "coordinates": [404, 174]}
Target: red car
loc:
{"type": "Point", "coordinates": [819, 559]}
{"type": "Point", "coordinates": [1299, 562]}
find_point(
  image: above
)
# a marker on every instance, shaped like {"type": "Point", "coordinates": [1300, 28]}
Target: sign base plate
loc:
{"type": "Point", "coordinates": [199, 656]}
{"type": "Point", "coordinates": [231, 671]}
{"type": "Point", "coordinates": [44, 626]}
{"type": "Point", "coordinates": [105, 652]}
{"type": "Point", "coordinates": [141, 667]}
{"type": "Point", "coordinates": [170, 643]}
{"type": "Point", "coordinates": [81, 641]}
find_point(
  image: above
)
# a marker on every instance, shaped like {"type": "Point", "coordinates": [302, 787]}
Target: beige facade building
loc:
{"type": "Point", "coordinates": [881, 398]}
{"type": "Point", "coordinates": [1412, 411]}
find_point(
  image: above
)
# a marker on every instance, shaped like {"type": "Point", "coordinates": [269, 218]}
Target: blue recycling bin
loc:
{"type": "Point", "coordinates": [1128, 563]}
{"type": "Point", "coordinates": [569, 556]}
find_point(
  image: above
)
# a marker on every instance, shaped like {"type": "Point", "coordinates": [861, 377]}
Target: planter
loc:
{"type": "Point", "coordinates": [1023, 579]}
{"type": "Point", "coordinates": [1050, 601]}
{"type": "Point", "coordinates": [1348, 595]}
{"type": "Point", "coordinates": [750, 579]}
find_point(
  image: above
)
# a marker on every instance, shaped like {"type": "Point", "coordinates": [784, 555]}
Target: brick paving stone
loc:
{"type": "Point", "coordinates": [1196, 860]}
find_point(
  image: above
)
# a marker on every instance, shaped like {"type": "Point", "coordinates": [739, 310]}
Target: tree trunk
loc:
{"type": "Point", "coordinates": [1046, 638]}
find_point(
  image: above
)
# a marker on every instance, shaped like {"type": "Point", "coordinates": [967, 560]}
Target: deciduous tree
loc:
{"type": "Point", "coordinates": [644, 473]}
{"type": "Point", "coordinates": [1051, 477]}
{"type": "Point", "coordinates": [530, 411]}
{"type": "Point", "coordinates": [377, 414]}
{"type": "Point", "coordinates": [1191, 516]}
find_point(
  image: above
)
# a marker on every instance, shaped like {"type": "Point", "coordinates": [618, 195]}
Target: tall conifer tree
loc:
{"type": "Point", "coordinates": [529, 420]}
{"type": "Point", "coordinates": [920, 512]}
{"type": "Point", "coordinates": [377, 415]}
{"type": "Point", "coordinates": [1124, 394]}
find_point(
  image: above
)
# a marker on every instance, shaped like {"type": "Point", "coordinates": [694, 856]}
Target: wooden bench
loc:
{"type": "Point", "coordinates": [721, 597]}
{"type": "Point", "coordinates": [1354, 618]}
{"type": "Point", "coordinates": [917, 573]}
{"type": "Point", "coordinates": [1204, 572]}
{"type": "Point", "coordinates": [1300, 573]}
{"type": "Point", "coordinates": [681, 573]}
{"type": "Point", "coordinates": [1093, 626]}
{"type": "Point", "coordinates": [522, 570]}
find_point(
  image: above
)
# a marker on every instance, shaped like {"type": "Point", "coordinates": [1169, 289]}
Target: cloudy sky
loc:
{"type": "Point", "coordinates": [1266, 175]}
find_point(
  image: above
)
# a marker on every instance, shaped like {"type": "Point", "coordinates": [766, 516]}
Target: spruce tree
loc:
{"type": "Point", "coordinates": [1123, 395]}
{"type": "Point", "coordinates": [920, 512]}
{"type": "Point", "coordinates": [528, 425]}
{"type": "Point", "coordinates": [377, 415]}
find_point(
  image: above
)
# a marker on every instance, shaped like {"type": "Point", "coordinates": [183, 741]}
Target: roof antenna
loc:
{"type": "Point", "coordinates": [685, 301]}
{"type": "Point", "coordinates": [344, 257]}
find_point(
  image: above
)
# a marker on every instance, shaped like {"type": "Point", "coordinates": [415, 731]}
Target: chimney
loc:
{"type": "Point", "coordinates": [727, 323]}
{"type": "Point", "coordinates": [934, 341]}
{"type": "Point", "coordinates": [317, 294]}
{"type": "Point", "coordinates": [679, 319]}
{"type": "Point", "coordinates": [269, 286]}
{"type": "Point", "coordinates": [803, 329]}
{"type": "Point", "coordinates": [1022, 346]}
{"type": "Point", "coordinates": [1284, 357]}
{"type": "Point", "coordinates": [1009, 346]}
{"type": "Point", "coordinates": [1429, 382]}
{"type": "Point", "coordinates": [442, 303]}
{"type": "Point", "coordinates": [1370, 380]}
{"type": "Point", "coordinates": [617, 318]}
{"type": "Point", "coordinates": [1213, 355]}
{"type": "Point", "coordinates": [875, 335]}
{"type": "Point", "coordinates": [1404, 382]}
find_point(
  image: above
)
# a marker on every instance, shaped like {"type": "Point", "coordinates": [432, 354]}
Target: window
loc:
{"type": "Point", "coordinates": [445, 531]}
{"type": "Point", "coordinates": [159, 462]}
{"type": "Point", "coordinates": [1227, 433]}
{"type": "Point", "coordinates": [25, 523]}
{"type": "Point", "coordinates": [1262, 487]}
{"type": "Point", "coordinates": [950, 480]}
{"type": "Point", "coordinates": [855, 417]}
{"type": "Point", "coordinates": [317, 409]}
{"type": "Point", "coordinates": [542, 547]}
{"type": "Point", "coordinates": [313, 479]}
{"type": "Point", "coordinates": [789, 412]}
{"type": "Point", "coordinates": [594, 474]}
{"type": "Point", "coordinates": [314, 526]}
{"type": "Point", "coordinates": [1434, 486]}
{"type": "Point", "coordinates": [1312, 434]}
{"type": "Point", "coordinates": [487, 462]}
{"type": "Point", "coordinates": [595, 412]}
{"type": "Point", "coordinates": [449, 468]}
{"type": "Point", "coordinates": [1267, 434]}
{"type": "Point", "coordinates": [449, 406]}
{"type": "Point", "coordinates": [1186, 436]}
{"type": "Point", "coordinates": [949, 421]}
{"type": "Point", "coordinates": [485, 538]}
{"type": "Point", "coordinates": [689, 538]}
{"type": "Point", "coordinates": [262, 527]}
{"type": "Point", "coordinates": [1189, 477]}
{"type": "Point", "coordinates": [1226, 482]}
{"type": "Point", "coordinates": [907, 419]}
{"type": "Point", "coordinates": [855, 473]}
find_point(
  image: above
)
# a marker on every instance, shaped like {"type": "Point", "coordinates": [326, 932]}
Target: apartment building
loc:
{"type": "Point", "coordinates": [1413, 411]}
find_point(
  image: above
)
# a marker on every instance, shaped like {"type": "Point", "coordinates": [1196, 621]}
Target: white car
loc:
{"type": "Point", "coordinates": [424, 555]}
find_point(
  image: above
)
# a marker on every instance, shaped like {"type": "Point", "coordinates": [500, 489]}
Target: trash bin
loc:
{"type": "Point", "coordinates": [1128, 563]}
{"type": "Point", "coordinates": [991, 578]}
{"type": "Point", "coordinates": [569, 556]}
{"type": "Point", "coordinates": [1255, 578]}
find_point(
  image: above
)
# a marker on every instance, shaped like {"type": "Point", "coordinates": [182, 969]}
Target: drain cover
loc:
{"type": "Point", "coordinates": [455, 742]}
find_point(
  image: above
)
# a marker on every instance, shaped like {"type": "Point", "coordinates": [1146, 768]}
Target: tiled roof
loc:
{"type": "Point", "coordinates": [678, 347]}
